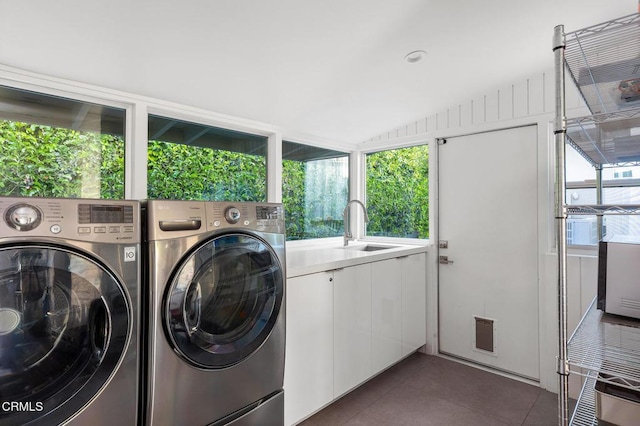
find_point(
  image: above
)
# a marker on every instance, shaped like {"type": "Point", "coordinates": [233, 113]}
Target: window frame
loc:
{"type": "Point", "coordinates": [83, 93]}
{"type": "Point", "coordinates": [207, 118]}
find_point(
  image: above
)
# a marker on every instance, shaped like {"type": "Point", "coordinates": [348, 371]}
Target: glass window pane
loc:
{"type": "Point", "coordinates": [315, 190]}
{"type": "Point", "coordinates": [398, 192]}
{"type": "Point", "coordinates": [620, 186]}
{"type": "Point", "coordinates": [582, 230]}
{"type": "Point", "coordinates": [57, 147]}
{"type": "Point", "coordinates": [191, 161]}
{"type": "Point", "coordinates": [577, 168]}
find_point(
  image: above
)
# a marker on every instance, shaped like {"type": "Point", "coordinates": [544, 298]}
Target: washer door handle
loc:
{"type": "Point", "coordinates": [99, 328]}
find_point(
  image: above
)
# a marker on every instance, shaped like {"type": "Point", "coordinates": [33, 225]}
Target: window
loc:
{"type": "Point", "coordinates": [398, 192]}
{"type": "Point", "coordinates": [190, 161]}
{"type": "Point", "coordinates": [618, 188]}
{"type": "Point", "coordinates": [315, 190]}
{"type": "Point", "coordinates": [56, 147]}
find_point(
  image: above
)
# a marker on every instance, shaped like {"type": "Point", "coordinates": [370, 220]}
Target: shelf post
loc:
{"type": "Point", "coordinates": [599, 200]}
{"type": "Point", "coordinates": [559, 132]}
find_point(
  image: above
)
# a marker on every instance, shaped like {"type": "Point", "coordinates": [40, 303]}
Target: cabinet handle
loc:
{"type": "Point", "coordinates": [331, 279]}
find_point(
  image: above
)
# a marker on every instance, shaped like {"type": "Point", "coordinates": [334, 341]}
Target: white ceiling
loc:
{"type": "Point", "coordinates": [332, 69]}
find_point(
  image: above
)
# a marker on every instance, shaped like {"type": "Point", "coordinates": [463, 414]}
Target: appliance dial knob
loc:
{"type": "Point", "coordinates": [232, 215]}
{"type": "Point", "coordinates": [23, 217]}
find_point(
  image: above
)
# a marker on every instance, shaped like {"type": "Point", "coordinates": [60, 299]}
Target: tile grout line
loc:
{"type": "Point", "coordinates": [400, 382]}
{"type": "Point", "coordinates": [531, 408]}
{"type": "Point", "coordinates": [388, 390]}
{"type": "Point", "coordinates": [471, 409]}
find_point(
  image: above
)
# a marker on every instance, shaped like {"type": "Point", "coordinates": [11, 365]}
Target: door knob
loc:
{"type": "Point", "coordinates": [444, 260]}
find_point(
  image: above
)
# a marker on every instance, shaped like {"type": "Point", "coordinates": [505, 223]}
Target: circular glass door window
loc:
{"type": "Point", "coordinates": [224, 300]}
{"type": "Point", "coordinates": [64, 323]}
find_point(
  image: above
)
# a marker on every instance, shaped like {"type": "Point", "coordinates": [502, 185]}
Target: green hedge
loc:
{"type": "Point", "coordinates": [177, 171]}
{"type": "Point", "coordinates": [398, 192]}
{"type": "Point", "coordinates": [42, 161]}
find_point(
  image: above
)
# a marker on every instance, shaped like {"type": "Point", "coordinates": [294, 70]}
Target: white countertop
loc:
{"type": "Point", "coordinates": [306, 260]}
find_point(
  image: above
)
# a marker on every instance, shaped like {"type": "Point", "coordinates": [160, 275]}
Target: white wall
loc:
{"type": "Point", "coordinates": [531, 101]}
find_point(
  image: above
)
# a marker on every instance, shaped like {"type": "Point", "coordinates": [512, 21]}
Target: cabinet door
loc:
{"type": "Point", "coordinates": [386, 310]}
{"type": "Point", "coordinates": [351, 327]}
{"type": "Point", "coordinates": [414, 303]}
{"type": "Point", "coordinates": [308, 374]}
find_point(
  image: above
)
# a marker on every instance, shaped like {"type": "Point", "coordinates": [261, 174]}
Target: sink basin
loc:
{"type": "Point", "coordinates": [369, 247]}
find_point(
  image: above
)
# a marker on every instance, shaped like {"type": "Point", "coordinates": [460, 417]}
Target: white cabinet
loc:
{"type": "Point", "coordinates": [351, 327]}
{"type": "Point", "coordinates": [308, 374]}
{"type": "Point", "coordinates": [346, 325]}
{"type": "Point", "coordinates": [386, 310]}
{"type": "Point", "coordinates": [398, 308]}
{"type": "Point", "coordinates": [414, 302]}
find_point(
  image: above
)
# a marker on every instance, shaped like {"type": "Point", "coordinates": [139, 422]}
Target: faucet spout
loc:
{"type": "Point", "coordinates": [346, 216]}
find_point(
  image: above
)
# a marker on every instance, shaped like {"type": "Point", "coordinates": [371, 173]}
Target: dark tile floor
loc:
{"type": "Point", "coordinates": [429, 390]}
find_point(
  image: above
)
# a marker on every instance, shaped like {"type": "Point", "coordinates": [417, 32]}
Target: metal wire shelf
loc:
{"type": "Point", "coordinates": [600, 60]}
{"type": "Point", "coordinates": [585, 411]}
{"type": "Point", "coordinates": [603, 209]}
{"type": "Point", "coordinates": [607, 345]}
{"type": "Point", "coordinates": [604, 62]}
{"type": "Point", "coordinates": [609, 140]}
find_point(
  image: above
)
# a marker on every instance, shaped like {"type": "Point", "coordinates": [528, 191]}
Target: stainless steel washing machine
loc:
{"type": "Point", "coordinates": [217, 326]}
{"type": "Point", "coordinates": [69, 285]}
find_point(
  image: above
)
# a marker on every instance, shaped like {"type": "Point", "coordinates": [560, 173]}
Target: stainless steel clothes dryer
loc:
{"type": "Point", "coordinates": [217, 326]}
{"type": "Point", "coordinates": [69, 283]}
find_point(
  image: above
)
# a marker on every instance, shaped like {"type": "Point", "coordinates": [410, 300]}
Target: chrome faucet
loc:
{"type": "Point", "coordinates": [346, 216]}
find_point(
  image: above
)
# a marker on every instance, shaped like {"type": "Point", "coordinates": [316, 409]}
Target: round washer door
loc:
{"type": "Point", "coordinates": [64, 325]}
{"type": "Point", "coordinates": [224, 300]}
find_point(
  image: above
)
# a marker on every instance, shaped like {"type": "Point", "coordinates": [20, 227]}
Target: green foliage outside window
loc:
{"type": "Point", "coordinates": [186, 172]}
{"type": "Point", "coordinates": [398, 192]}
{"type": "Point", "coordinates": [43, 161]}
{"type": "Point", "coordinates": [293, 195]}
{"type": "Point", "coordinates": [314, 193]}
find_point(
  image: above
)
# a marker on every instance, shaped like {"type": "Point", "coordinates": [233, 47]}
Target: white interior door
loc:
{"type": "Point", "coordinates": [488, 293]}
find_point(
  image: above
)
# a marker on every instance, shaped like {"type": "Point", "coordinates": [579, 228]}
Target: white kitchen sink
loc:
{"type": "Point", "coordinates": [369, 247]}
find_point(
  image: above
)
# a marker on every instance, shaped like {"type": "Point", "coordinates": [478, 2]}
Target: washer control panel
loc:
{"type": "Point", "coordinates": [86, 220]}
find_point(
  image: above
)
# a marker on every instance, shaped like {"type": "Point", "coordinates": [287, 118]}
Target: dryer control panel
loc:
{"type": "Point", "coordinates": [170, 219]}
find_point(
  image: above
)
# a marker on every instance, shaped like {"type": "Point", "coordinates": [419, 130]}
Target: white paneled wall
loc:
{"type": "Point", "coordinates": [528, 98]}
